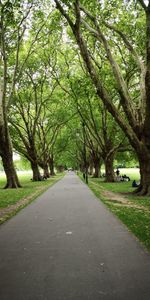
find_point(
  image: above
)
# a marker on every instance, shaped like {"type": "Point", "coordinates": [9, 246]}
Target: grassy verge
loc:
{"type": "Point", "coordinates": [133, 211]}
{"type": "Point", "coordinates": [12, 200]}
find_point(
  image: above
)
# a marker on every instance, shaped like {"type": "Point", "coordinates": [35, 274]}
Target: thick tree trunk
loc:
{"type": "Point", "coordinates": [109, 170]}
{"type": "Point", "coordinates": [52, 172]}
{"type": "Point", "coordinates": [100, 171]}
{"type": "Point", "coordinates": [46, 172]}
{"type": "Point", "coordinates": [36, 172]}
{"type": "Point", "coordinates": [51, 166]}
{"type": "Point", "coordinates": [11, 175]}
{"type": "Point", "coordinates": [144, 187]}
{"type": "Point", "coordinates": [96, 168]}
{"type": "Point", "coordinates": [7, 159]}
{"type": "Point", "coordinates": [81, 167]}
{"type": "Point", "coordinates": [91, 169]}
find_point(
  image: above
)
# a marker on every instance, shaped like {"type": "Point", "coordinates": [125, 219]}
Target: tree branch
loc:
{"type": "Point", "coordinates": [122, 88]}
{"type": "Point", "coordinates": [141, 2]}
{"type": "Point", "coordinates": [135, 55]}
{"type": "Point", "coordinates": [60, 8]}
{"type": "Point", "coordinates": [101, 90]}
{"type": "Point", "coordinates": [129, 46]}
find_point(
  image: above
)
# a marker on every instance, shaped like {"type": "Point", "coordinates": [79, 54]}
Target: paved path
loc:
{"type": "Point", "coordinates": [67, 246]}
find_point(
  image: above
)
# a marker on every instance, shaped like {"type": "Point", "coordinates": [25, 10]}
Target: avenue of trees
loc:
{"type": "Point", "coordinates": [75, 77]}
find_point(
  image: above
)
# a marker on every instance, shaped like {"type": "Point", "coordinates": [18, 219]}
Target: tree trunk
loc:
{"type": "Point", "coordinates": [51, 166]}
{"type": "Point", "coordinates": [7, 159]}
{"type": "Point", "coordinates": [96, 168]}
{"type": "Point", "coordinates": [46, 172]}
{"type": "Point", "coordinates": [11, 175]}
{"type": "Point", "coordinates": [36, 172]}
{"type": "Point", "coordinates": [91, 169]}
{"type": "Point", "coordinates": [100, 171]}
{"type": "Point", "coordinates": [109, 170]}
{"type": "Point", "coordinates": [81, 167]}
{"type": "Point", "coordinates": [144, 187]}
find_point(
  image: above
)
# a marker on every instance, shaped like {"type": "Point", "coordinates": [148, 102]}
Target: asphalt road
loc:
{"type": "Point", "coordinates": [67, 246]}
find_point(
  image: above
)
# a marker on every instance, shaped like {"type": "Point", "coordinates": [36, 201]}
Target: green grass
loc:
{"type": "Point", "coordinates": [30, 190]}
{"type": "Point", "coordinates": [136, 220]}
{"type": "Point", "coordinates": [136, 217]}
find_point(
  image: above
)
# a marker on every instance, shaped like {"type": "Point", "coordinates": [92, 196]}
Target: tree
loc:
{"type": "Point", "coordinates": [99, 123]}
{"type": "Point", "coordinates": [14, 23]}
{"type": "Point", "coordinates": [108, 138]}
{"type": "Point", "coordinates": [134, 118]}
{"type": "Point", "coordinates": [30, 109]}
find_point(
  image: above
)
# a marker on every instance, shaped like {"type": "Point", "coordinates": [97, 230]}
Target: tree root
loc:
{"type": "Point", "coordinates": [12, 185]}
{"type": "Point", "coordinates": [142, 190]}
{"type": "Point", "coordinates": [137, 190]}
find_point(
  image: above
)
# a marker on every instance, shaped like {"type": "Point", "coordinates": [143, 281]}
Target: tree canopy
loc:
{"type": "Point", "coordinates": [65, 64]}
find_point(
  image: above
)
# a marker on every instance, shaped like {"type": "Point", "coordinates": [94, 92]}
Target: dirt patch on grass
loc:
{"type": "Point", "coordinates": [118, 199]}
{"type": "Point", "coordinates": [114, 196]}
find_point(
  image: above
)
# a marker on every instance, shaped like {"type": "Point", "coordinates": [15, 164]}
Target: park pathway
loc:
{"type": "Point", "coordinates": [67, 246]}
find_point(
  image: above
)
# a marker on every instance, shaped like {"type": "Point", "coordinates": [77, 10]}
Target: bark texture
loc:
{"type": "Point", "coordinates": [7, 159]}
{"type": "Point", "coordinates": [51, 166]}
{"type": "Point", "coordinates": [96, 168]}
{"type": "Point", "coordinates": [109, 170]}
{"type": "Point", "coordinates": [46, 172]}
{"type": "Point", "coordinates": [144, 161]}
{"type": "Point", "coordinates": [36, 173]}
{"type": "Point", "coordinates": [11, 175]}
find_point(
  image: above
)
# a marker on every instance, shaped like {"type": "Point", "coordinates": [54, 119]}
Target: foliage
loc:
{"type": "Point", "coordinates": [118, 65]}
{"type": "Point", "coordinates": [58, 77]}
{"type": "Point", "coordinates": [22, 164]}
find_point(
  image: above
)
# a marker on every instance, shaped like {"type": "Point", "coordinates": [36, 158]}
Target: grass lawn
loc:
{"type": "Point", "coordinates": [12, 200]}
{"type": "Point", "coordinates": [134, 211]}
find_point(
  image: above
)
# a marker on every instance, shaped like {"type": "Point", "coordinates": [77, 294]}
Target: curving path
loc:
{"type": "Point", "coordinates": [67, 246]}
